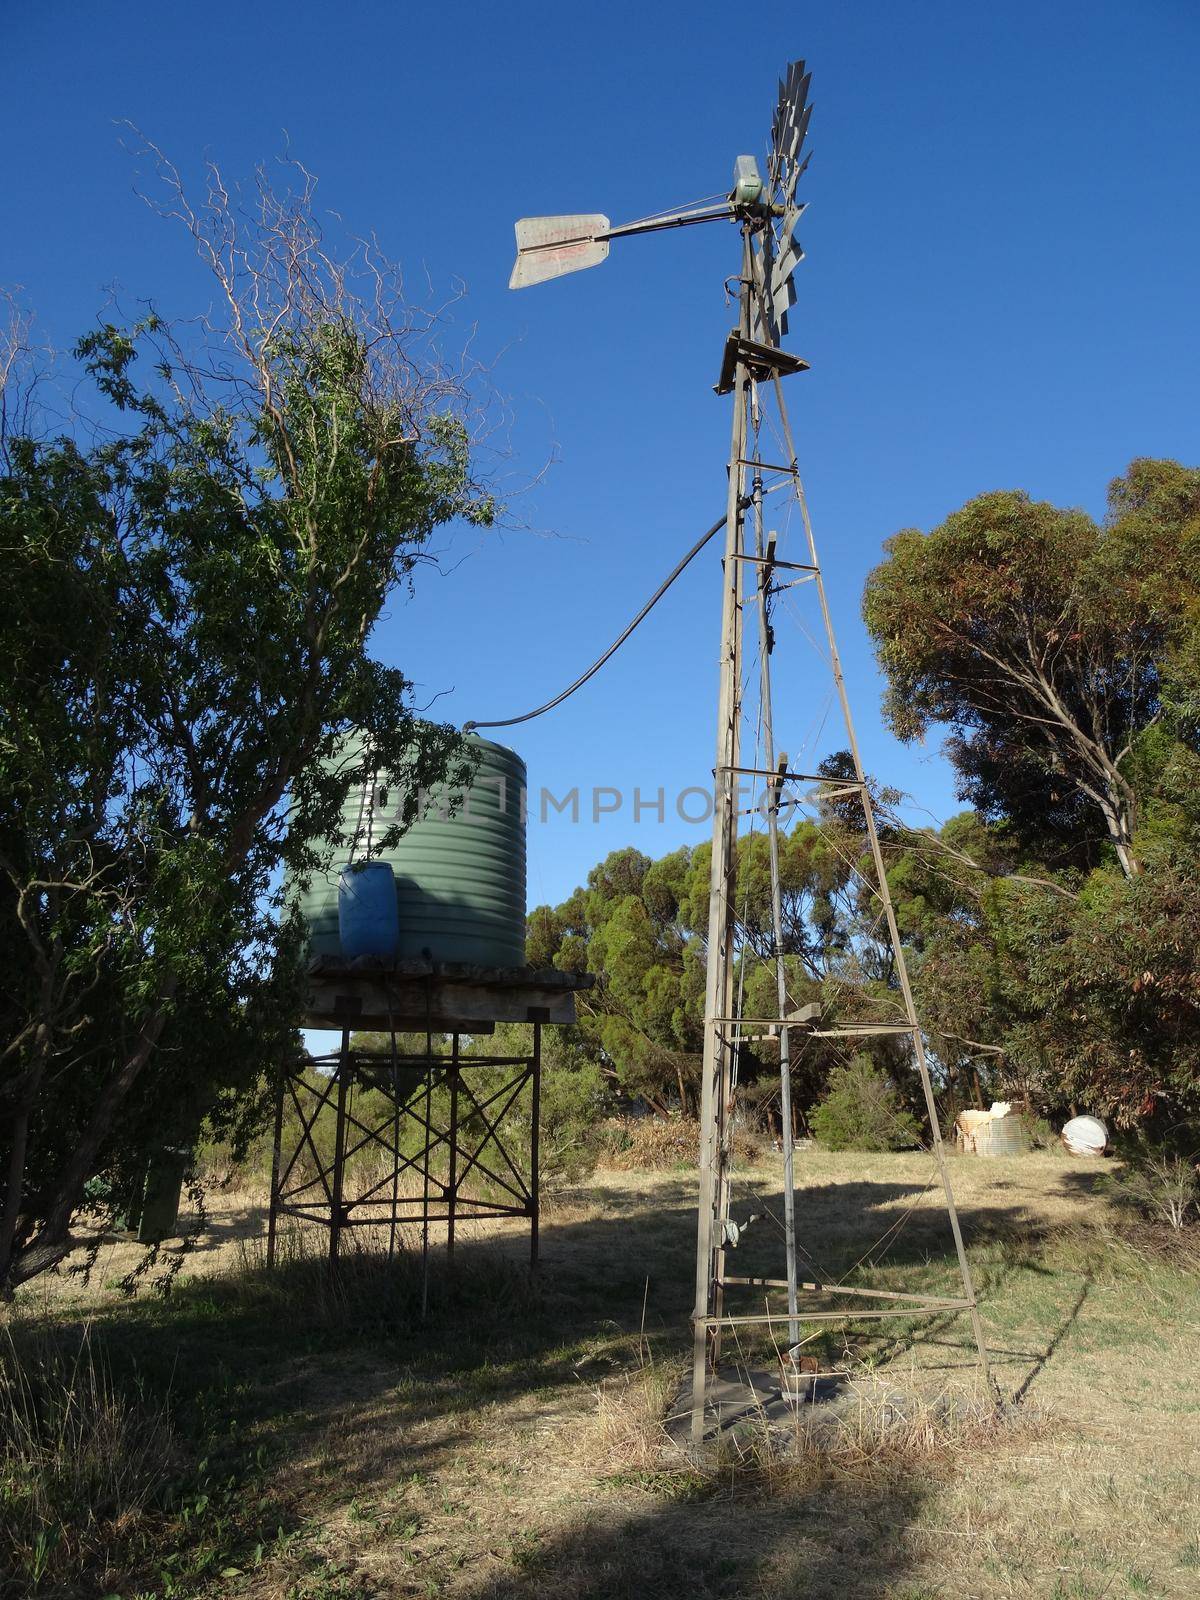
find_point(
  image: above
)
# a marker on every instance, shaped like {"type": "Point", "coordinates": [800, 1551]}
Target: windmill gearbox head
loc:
{"type": "Point", "coordinates": [747, 183]}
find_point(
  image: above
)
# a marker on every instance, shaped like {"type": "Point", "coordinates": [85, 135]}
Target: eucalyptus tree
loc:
{"type": "Point", "coordinates": [1050, 647]}
{"type": "Point", "coordinates": [1055, 927]}
{"type": "Point", "coordinates": [193, 585]}
{"type": "Point", "coordinates": [639, 925]}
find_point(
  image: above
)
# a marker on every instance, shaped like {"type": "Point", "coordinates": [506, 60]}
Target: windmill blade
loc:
{"type": "Point", "coordinates": [788, 188]}
{"type": "Point", "coordinates": [789, 125]}
{"type": "Point", "coordinates": [781, 255]}
{"type": "Point", "coordinates": [777, 255]}
{"type": "Point", "coordinates": [783, 297]}
{"type": "Point", "coordinates": [786, 261]}
{"type": "Point", "coordinates": [792, 133]}
{"type": "Point", "coordinates": [550, 247]}
{"type": "Point", "coordinates": [763, 327]}
{"type": "Point", "coordinates": [769, 310]}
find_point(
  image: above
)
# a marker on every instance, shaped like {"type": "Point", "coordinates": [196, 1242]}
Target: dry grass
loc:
{"type": "Point", "coordinates": [510, 1447]}
{"type": "Point", "coordinates": [885, 1428]}
{"type": "Point", "coordinates": [665, 1144]}
{"type": "Point", "coordinates": [80, 1458]}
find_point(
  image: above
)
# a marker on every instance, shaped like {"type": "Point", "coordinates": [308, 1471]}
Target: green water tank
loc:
{"type": "Point", "coordinates": [460, 869]}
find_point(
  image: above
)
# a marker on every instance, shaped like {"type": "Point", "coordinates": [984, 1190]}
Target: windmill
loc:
{"type": "Point", "coordinates": [766, 209]}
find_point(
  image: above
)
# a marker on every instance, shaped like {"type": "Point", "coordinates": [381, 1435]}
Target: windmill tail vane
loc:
{"type": "Point", "coordinates": [551, 247]}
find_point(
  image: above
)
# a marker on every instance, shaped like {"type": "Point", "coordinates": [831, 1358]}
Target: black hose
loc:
{"type": "Point", "coordinates": [510, 722]}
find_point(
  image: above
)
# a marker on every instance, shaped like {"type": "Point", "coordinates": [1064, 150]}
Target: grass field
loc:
{"type": "Point", "coordinates": [315, 1439]}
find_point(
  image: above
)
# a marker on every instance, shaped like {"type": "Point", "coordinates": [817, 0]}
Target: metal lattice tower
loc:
{"type": "Point", "coordinates": [753, 368]}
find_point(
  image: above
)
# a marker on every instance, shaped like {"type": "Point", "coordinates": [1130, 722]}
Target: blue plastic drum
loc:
{"type": "Point", "coordinates": [368, 920]}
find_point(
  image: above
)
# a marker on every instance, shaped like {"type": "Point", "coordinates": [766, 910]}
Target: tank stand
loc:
{"type": "Point", "coordinates": [391, 1140]}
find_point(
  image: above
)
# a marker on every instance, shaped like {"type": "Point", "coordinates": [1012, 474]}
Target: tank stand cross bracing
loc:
{"type": "Point", "coordinates": [444, 1137]}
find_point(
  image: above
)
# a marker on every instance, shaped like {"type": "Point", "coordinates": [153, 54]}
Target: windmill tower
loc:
{"type": "Point", "coordinates": [753, 574]}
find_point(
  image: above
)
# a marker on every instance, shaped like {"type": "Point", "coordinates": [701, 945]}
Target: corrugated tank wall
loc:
{"type": "Point", "coordinates": [460, 875]}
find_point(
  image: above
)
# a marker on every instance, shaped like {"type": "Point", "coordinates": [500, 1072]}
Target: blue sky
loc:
{"type": "Point", "coordinates": [1000, 291]}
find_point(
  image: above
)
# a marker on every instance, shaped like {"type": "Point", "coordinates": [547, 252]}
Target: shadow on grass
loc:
{"type": "Point", "coordinates": [227, 1225]}
{"type": "Point", "coordinates": [836, 1539]}
{"type": "Point", "coordinates": [1087, 1179]}
{"type": "Point", "coordinates": [492, 1331]}
{"type": "Point", "coordinates": [1060, 1333]}
{"type": "Point", "coordinates": [338, 1383]}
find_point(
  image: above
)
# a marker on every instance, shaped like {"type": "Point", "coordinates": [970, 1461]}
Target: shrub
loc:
{"type": "Point", "coordinates": [862, 1111]}
{"type": "Point", "coordinates": [1161, 1181]}
{"type": "Point", "coordinates": [1041, 1134]}
{"type": "Point", "coordinates": [575, 1097]}
{"type": "Point", "coordinates": [649, 1144]}
{"type": "Point", "coordinates": [665, 1144]}
{"type": "Point", "coordinates": [574, 1101]}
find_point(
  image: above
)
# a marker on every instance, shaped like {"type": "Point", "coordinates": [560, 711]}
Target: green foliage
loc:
{"type": "Point", "coordinates": [1159, 1178]}
{"type": "Point", "coordinates": [641, 927]}
{"type": "Point", "coordinates": [1041, 1134]}
{"type": "Point", "coordinates": [863, 1111]}
{"type": "Point", "coordinates": [575, 1098]}
{"type": "Point", "coordinates": [632, 927]}
{"type": "Point", "coordinates": [1057, 927]}
{"type": "Point", "coordinates": [1049, 645]}
{"type": "Point", "coordinates": [191, 595]}
{"type": "Point", "coordinates": [1057, 996]}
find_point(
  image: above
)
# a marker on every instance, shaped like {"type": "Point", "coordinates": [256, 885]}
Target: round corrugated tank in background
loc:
{"type": "Point", "coordinates": [460, 877]}
{"type": "Point", "coordinates": [1002, 1136]}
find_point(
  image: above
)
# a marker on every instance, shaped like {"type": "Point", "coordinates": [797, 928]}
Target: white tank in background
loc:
{"type": "Point", "coordinates": [993, 1133]}
{"type": "Point", "coordinates": [1085, 1136]}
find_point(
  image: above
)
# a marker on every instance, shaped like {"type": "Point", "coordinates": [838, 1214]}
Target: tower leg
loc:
{"type": "Point", "coordinates": [276, 1161]}
{"type": "Point", "coordinates": [426, 1158]}
{"type": "Point", "coordinates": [396, 1120]}
{"type": "Point", "coordinates": [339, 1151]}
{"type": "Point", "coordinates": [534, 1134]}
{"type": "Point", "coordinates": [452, 1177]}
{"type": "Point", "coordinates": [717, 1075]}
{"type": "Point", "coordinates": [781, 997]}
{"type": "Point", "coordinates": [885, 899]}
